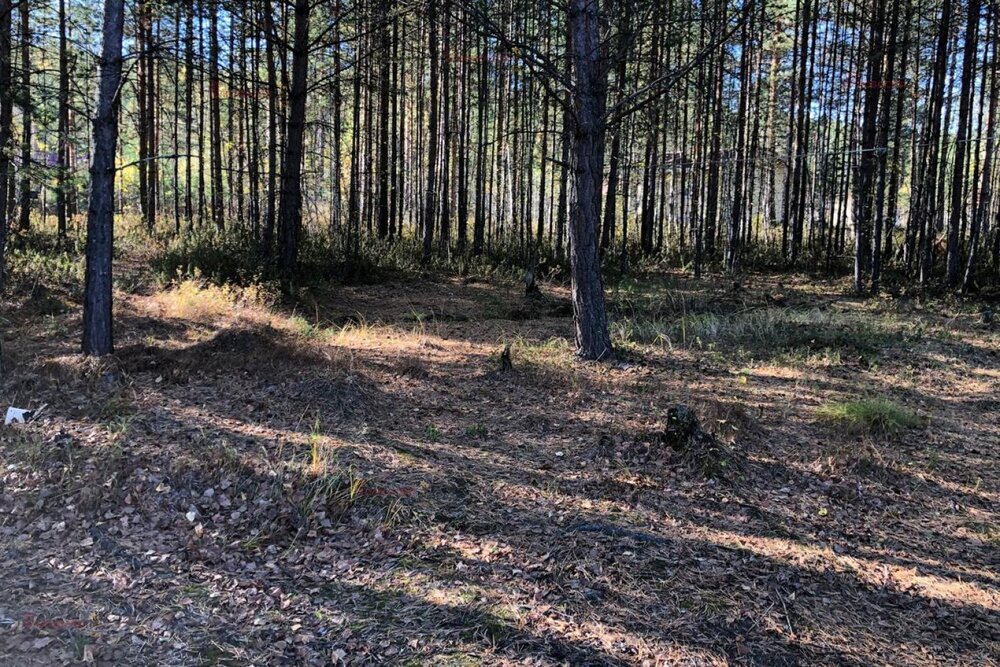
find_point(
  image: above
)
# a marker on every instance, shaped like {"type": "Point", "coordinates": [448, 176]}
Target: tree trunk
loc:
{"type": "Point", "coordinates": [62, 169]}
{"type": "Point", "coordinates": [589, 101]}
{"type": "Point", "coordinates": [6, 115]}
{"type": "Point", "coordinates": [384, 110]}
{"type": "Point", "coordinates": [189, 114]}
{"type": "Point", "coordinates": [267, 239]}
{"type": "Point", "coordinates": [736, 217]}
{"type": "Point", "coordinates": [201, 113]}
{"type": "Point", "coordinates": [142, 113]}
{"type": "Point", "coordinates": [215, 117]}
{"type": "Point", "coordinates": [290, 219]}
{"type": "Point", "coordinates": [479, 222]}
{"type": "Point", "coordinates": [26, 111]}
{"type": "Point", "coordinates": [926, 209]}
{"type": "Point", "coordinates": [336, 99]}
{"type": "Point", "coordinates": [463, 150]}
{"type": "Point", "coordinates": [565, 141]}
{"type": "Point", "coordinates": [97, 332]}
{"type": "Point", "coordinates": [611, 201]}
{"type": "Point", "coordinates": [152, 140]}
{"type": "Point", "coordinates": [353, 188]}
{"type": "Point", "coordinates": [444, 241]}
{"type": "Point", "coordinates": [430, 207]}
{"type": "Point", "coordinates": [986, 190]}
{"type": "Point", "coordinates": [961, 145]}
{"type": "Point", "coordinates": [868, 160]}
{"type": "Point", "coordinates": [394, 170]}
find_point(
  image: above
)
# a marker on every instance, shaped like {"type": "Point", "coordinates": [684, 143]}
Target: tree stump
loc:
{"type": "Point", "coordinates": [698, 448]}
{"type": "Point", "coordinates": [506, 365]}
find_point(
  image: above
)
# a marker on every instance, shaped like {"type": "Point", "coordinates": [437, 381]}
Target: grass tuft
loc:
{"type": "Point", "coordinates": [869, 416]}
{"type": "Point", "coordinates": [195, 300]}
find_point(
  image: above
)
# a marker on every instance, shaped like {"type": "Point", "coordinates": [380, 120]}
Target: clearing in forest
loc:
{"type": "Point", "coordinates": [355, 480]}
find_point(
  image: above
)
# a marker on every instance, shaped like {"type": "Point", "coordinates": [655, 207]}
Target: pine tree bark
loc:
{"type": "Point", "coordinates": [62, 168]}
{"type": "Point", "coordinates": [394, 141]}
{"type": "Point", "coordinates": [868, 160]}
{"type": "Point", "coordinates": [985, 202]}
{"type": "Point", "coordinates": [463, 149]}
{"type": "Point", "coordinates": [152, 139]}
{"type": "Point", "coordinates": [215, 118]}
{"type": "Point", "coordinates": [27, 110]}
{"type": "Point", "coordinates": [6, 118]}
{"type": "Point", "coordinates": [430, 205]}
{"type": "Point", "coordinates": [142, 14]}
{"type": "Point", "coordinates": [589, 101]}
{"type": "Point", "coordinates": [384, 110]}
{"type": "Point", "coordinates": [98, 339]}
{"type": "Point", "coordinates": [189, 114]}
{"type": "Point", "coordinates": [290, 218]}
{"type": "Point", "coordinates": [337, 100]}
{"type": "Point", "coordinates": [444, 240]}
{"type": "Point", "coordinates": [959, 174]}
{"type": "Point", "coordinates": [479, 221]}
{"type": "Point", "coordinates": [736, 216]}
{"type": "Point", "coordinates": [270, 210]}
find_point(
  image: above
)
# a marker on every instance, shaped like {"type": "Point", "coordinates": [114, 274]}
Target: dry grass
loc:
{"type": "Point", "coordinates": [193, 300]}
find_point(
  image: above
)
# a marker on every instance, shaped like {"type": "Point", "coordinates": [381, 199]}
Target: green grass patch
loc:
{"type": "Point", "coordinates": [770, 332]}
{"type": "Point", "coordinates": [869, 416]}
{"type": "Point", "coordinates": [477, 431]}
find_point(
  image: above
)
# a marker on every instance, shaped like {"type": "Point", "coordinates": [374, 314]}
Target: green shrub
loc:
{"type": "Point", "coordinates": [477, 430]}
{"type": "Point", "coordinates": [39, 258]}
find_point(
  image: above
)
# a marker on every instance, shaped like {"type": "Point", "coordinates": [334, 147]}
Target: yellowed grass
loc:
{"type": "Point", "coordinates": [191, 300]}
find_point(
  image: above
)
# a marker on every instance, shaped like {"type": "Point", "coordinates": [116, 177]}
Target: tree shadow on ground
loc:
{"type": "Point", "coordinates": [508, 545]}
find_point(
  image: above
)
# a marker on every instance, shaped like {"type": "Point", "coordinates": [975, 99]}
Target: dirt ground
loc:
{"type": "Point", "coordinates": [354, 480]}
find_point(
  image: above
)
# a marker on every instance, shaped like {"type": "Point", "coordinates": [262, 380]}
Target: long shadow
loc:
{"type": "Point", "coordinates": [765, 523]}
{"type": "Point", "coordinates": [628, 592]}
{"type": "Point", "coordinates": [266, 350]}
{"type": "Point", "coordinates": [826, 600]}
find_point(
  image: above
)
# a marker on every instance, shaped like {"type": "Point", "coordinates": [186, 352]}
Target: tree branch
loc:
{"type": "Point", "coordinates": [660, 86]}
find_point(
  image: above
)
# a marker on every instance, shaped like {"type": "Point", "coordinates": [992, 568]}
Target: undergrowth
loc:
{"type": "Point", "coordinates": [869, 416]}
{"type": "Point", "coordinates": [234, 258]}
{"type": "Point", "coordinates": [772, 328]}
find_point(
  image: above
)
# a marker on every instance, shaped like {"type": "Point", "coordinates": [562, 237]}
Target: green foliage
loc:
{"type": "Point", "coordinates": [776, 329]}
{"type": "Point", "coordinates": [39, 258]}
{"type": "Point", "coordinates": [332, 494]}
{"type": "Point", "coordinates": [233, 257]}
{"type": "Point", "coordinates": [477, 430]}
{"type": "Point", "coordinates": [222, 258]}
{"type": "Point", "coordinates": [869, 416]}
{"type": "Point", "coordinates": [305, 328]}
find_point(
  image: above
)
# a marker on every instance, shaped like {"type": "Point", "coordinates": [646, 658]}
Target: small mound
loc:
{"type": "Point", "coordinates": [238, 349]}
{"type": "Point", "coordinates": [97, 373]}
{"type": "Point", "coordinates": [243, 339]}
{"type": "Point", "coordinates": [727, 421]}
{"type": "Point", "coordinates": [700, 450]}
{"type": "Point", "coordinates": [251, 349]}
{"type": "Point", "coordinates": [42, 302]}
{"type": "Point", "coordinates": [681, 440]}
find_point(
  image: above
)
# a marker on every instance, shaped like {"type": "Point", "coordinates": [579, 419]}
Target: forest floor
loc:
{"type": "Point", "coordinates": [354, 480]}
